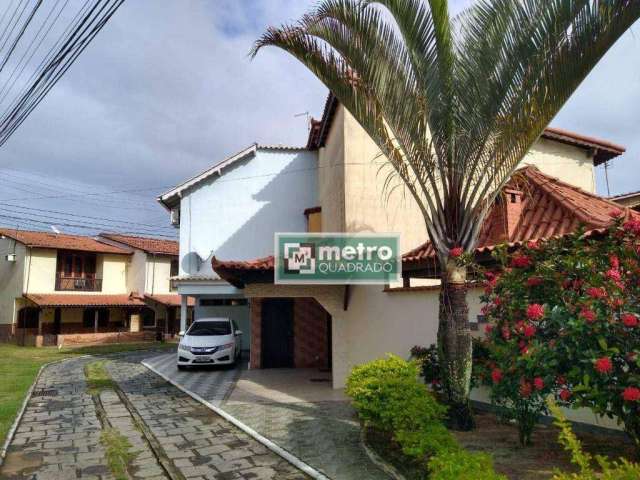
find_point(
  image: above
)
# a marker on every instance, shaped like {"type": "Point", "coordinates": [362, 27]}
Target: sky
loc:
{"type": "Point", "coordinates": [167, 89]}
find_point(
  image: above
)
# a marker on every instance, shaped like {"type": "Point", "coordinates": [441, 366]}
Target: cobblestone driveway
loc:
{"type": "Point", "coordinates": [59, 435]}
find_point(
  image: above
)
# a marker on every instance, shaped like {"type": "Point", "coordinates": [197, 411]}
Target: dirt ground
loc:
{"type": "Point", "coordinates": [539, 460]}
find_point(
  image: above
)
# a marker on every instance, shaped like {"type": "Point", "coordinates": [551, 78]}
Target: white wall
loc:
{"type": "Point", "coordinates": [11, 278]}
{"type": "Point", "coordinates": [236, 215]}
{"type": "Point", "coordinates": [158, 273]}
{"type": "Point", "coordinates": [136, 272]}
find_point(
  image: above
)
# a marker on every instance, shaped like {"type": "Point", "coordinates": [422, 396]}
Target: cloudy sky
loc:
{"type": "Point", "coordinates": [167, 89]}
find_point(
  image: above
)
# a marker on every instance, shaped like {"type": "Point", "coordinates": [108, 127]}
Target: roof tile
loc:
{"type": "Point", "coordinates": [147, 244]}
{"type": "Point", "coordinates": [61, 241]}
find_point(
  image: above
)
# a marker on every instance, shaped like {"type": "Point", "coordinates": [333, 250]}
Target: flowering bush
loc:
{"type": "Point", "coordinates": [565, 322]}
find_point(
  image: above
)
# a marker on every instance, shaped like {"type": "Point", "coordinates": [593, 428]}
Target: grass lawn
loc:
{"type": "Point", "coordinates": [19, 366]}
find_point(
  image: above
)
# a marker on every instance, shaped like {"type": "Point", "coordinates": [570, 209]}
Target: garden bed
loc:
{"type": "Point", "coordinates": [501, 441]}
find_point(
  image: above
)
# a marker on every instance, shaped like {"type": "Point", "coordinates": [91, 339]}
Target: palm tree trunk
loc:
{"type": "Point", "coordinates": [454, 345]}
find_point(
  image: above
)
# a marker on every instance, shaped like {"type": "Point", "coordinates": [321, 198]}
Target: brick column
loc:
{"type": "Point", "coordinates": [255, 312]}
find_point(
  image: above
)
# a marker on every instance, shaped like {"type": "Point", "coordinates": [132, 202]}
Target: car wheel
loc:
{"type": "Point", "coordinates": [182, 367]}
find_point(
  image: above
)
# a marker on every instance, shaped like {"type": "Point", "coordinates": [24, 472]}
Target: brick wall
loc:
{"type": "Point", "coordinates": [310, 344]}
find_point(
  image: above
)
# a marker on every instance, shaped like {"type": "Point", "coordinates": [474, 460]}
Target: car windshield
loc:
{"type": "Point", "coordinates": [210, 327]}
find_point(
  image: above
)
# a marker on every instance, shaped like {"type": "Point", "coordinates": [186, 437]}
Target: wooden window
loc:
{"type": "Point", "coordinates": [89, 315]}
{"type": "Point", "coordinates": [314, 219]}
{"type": "Point", "coordinates": [76, 264]}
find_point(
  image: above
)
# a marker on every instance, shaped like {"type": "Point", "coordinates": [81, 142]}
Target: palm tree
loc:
{"type": "Point", "coordinates": [454, 104]}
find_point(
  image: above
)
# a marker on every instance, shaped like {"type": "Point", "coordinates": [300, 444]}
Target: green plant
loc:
{"type": "Point", "coordinates": [118, 451]}
{"type": "Point", "coordinates": [462, 465]}
{"type": "Point", "coordinates": [388, 396]}
{"type": "Point", "coordinates": [565, 322]}
{"type": "Point", "coordinates": [616, 470]}
{"type": "Point", "coordinates": [454, 105]}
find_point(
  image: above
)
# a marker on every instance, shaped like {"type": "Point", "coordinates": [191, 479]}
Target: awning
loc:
{"type": "Point", "coordinates": [81, 300]}
{"type": "Point", "coordinates": [170, 300]}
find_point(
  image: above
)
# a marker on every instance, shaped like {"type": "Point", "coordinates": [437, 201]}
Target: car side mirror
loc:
{"type": "Point", "coordinates": [238, 332]}
{"type": "Point", "coordinates": [181, 333]}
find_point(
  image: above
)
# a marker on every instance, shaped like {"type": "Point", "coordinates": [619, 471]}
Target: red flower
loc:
{"type": "Point", "coordinates": [488, 328]}
{"type": "Point", "coordinates": [533, 244]}
{"type": "Point", "coordinates": [535, 311]}
{"type": "Point", "coordinates": [496, 375]}
{"type": "Point", "coordinates": [497, 301]}
{"type": "Point", "coordinates": [525, 389]}
{"type": "Point", "coordinates": [631, 394]}
{"type": "Point", "coordinates": [614, 261]}
{"type": "Point", "coordinates": [456, 252]}
{"type": "Point", "coordinates": [561, 380]}
{"type": "Point", "coordinates": [521, 261]}
{"type": "Point", "coordinates": [529, 331]}
{"type": "Point", "coordinates": [629, 320]}
{"type": "Point", "coordinates": [613, 274]}
{"type": "Point", "coordinates": [588, 315]}
{"type": "Point", "coordinates": [538, 383]}
{"type": "Point", "coordinates": [604, 365]}
{"type": "Point", "coordinates": [632, 226]}
{"type": "Point", "coordinates": [534, 281]}
{"type": "Point", "coordinates": [596, 292]}
{"type": "Point", "coordinates": [617, 302]}
{"type": "Point", "coordinates": [615, 213]}
{"type": "Point", "coordinates": [506, 334]}
{"type": "Point", "coordinates": [565, 394]}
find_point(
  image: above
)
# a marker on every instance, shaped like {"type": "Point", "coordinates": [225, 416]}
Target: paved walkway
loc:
{"type": "Point", "coordinates": [295, 408]}
{"type": "Point", "coordinates": [172, 435]}
{"type": "Point", "coordinates": [213, 383]}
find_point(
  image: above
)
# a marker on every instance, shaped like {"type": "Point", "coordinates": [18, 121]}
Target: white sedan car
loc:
{"type": "Point", "coordinates": [210, 341]}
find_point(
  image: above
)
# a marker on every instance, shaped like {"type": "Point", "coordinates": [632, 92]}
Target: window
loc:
{"type": "Point", "coordinates": [314, 219]}
{"type": "Point", "coordinates": [175, 270]}
{"type": "Point", "coordinates": [210, 327]}
{"type": "Point", "coordinates": [28, 317]}
{"type": "Point", "coordinates": [77, 271]}
{"type": "Point", "coordinates": [222, 302]}
{"type": "Point", "coordinates": [148, 318]}
{"type": "Point", "coordinates": [89, 315]}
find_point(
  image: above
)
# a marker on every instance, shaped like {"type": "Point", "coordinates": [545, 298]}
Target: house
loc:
{"type": "Point", "coordinates": [366, 321]}
{"type": "Point", "coordinates": [62, 289]}
{"type": "Point", "coordinates": [233, 209]}
{"type": "Point", "coordinates": [629, 200]}
{"type": "Point", "coordinates": [154, 263]}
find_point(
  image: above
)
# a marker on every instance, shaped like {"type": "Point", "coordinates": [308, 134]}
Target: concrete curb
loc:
{"type": "Point", "coordinates": [293, 460]}
{"type": "Point", "coordinates": [377, 460]}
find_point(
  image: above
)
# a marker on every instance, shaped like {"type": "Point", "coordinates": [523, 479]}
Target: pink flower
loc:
{"type": "Point", "coordinates": [615, 213]}
{"type": "Point", "coordinates": [456, 252]}
{"type": "Point", "coordinates": [538, 382]}
{"type": "Point", "coordinates": [613, 274]}
{"type": "Point", "coordinates": [603, 365]}
{"type": "Point", "coordinates": [533, 244]}
{"type": "Point", "coordinates": [614, 261]}
{"type": "Point", "coordinates": [488, 328]}
{"type": "Point", "coordinates": [506, 334]}
{"type": "Point", "coordinates": [496, 375]}
{"type": "Point", "coordinates": [632, 226]}
{"type": "Point", "coordinates": [535, 311]}
{"type": "Point", "coordinates": [529, 331]}
{"type": "Point", "coordinates": [631, 394]}
{"type": "Point", "coordinates": [588, 315]}
{"type": "Point", "coordinates": [596, 292]}
{"type": "Point", "coordinates": [629, 320]}
{"type": "Point", "coordinates": [497, 301]}
{"type": "Point", "coordinates": [565, 394]}
{"type": "Point", "coordinates": [521, 261]}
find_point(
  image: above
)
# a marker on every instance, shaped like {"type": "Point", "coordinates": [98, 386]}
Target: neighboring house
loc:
{"type": "Point", "coordinates": [630, 200]}
{"type": "Point", "coordinates": [232, 210]}
{"type": "Point", "coordinates": [153, 264]}
{"type": "Point", "coordinates": [364, 322]}
{"type": "Point", "coordinates": [58, 288]}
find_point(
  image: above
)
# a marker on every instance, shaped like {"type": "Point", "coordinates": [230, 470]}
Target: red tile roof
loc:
{"type": "Point", "coordinates": [148, 244]}
{"type": "Point", "coordinates": [603, 150]}
{"type": "Point", "coordinates": [84, 300]}
{"type": "Point", "coordinates": [237, 272]}
{"type": "Point", "coordinates": [61, 241]}
{"type": "Point", "coordinates": [550, 208]}
{"type": "Point", "coordinates": [170, 300]}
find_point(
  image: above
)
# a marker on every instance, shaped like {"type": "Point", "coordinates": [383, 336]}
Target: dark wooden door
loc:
{"type": "Point", "coordinates": [277, 333]}
{"type": "Point", "coordinates": [57, 321]}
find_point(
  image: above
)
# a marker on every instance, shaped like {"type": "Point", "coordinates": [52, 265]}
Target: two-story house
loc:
{"type": "Point", "coordinates": [364, 322]}
{"type": "Point", "coordinates": [62, 289]}
{"type": "Point", "coordinates": [153, 264]}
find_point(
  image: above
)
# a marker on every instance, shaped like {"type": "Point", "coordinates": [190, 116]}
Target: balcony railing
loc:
{"type": "Point", "coordinates": [80, 284]}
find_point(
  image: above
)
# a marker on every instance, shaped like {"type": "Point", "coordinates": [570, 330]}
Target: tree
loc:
{"type": "Point", "coordinates": [454, 105]}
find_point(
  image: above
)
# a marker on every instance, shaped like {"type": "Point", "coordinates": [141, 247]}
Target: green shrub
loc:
{"type": "Point", "coordinates": [462, 465]}
{"type": "Point", "coordinates": [617, 470]}
{"type": "Point", "coordinates": [389, 396]}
